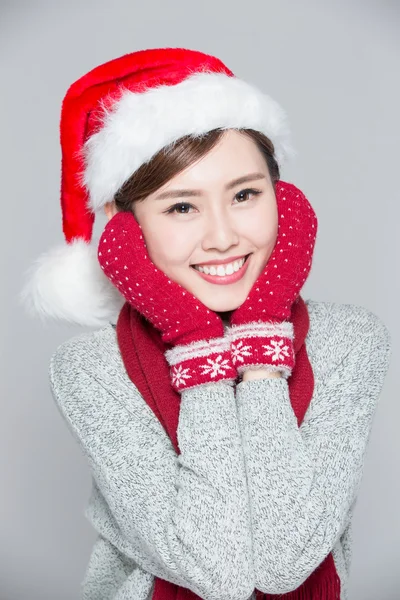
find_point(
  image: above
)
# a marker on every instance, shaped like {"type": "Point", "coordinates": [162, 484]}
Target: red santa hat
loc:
{"type": "Point", "coordinates": [114, 119]}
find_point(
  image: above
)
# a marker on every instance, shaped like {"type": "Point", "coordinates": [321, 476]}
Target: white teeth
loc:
{"type": "Point", "coordinates": [222, 270]}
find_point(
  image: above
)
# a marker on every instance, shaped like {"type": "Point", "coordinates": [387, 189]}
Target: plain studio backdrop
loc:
{"type": "Point", "coordinates": [333, 66]}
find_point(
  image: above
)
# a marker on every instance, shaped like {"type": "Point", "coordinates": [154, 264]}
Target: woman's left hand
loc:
{"type": "Point", "coordinates": [260, 332]}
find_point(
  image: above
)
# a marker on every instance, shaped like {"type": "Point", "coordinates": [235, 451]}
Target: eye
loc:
{"type": "Point", "coordinates": [180, 205]}
{"type": "Point", "coordinates": [247, 192]}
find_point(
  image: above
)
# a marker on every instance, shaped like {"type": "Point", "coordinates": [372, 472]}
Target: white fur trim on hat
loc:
{"type": "Point", "coordinates": [140, 124]}
{"type": "Point", "coordinates": [68, 283]}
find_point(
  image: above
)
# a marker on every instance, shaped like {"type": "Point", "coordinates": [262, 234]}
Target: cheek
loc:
{"type": "Point", "coordinates": [261, 227]}
{"type": "Point", "coordinates": [166, 246]}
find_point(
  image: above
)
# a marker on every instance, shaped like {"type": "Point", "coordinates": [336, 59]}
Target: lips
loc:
{"type": "Point", "coordinates": [225, 279]}
{"type": "Point", "coordinates": [222, 269]}
{"type": "Point", "coordinates": [217, 263]}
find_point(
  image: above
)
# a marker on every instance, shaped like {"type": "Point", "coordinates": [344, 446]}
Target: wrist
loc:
{"type": "Point", "coordinates": [202, 362]}
{"type": "Point", "coordinates": [261, 373]}
{"type": "Point", "coordinates": [263, 346]}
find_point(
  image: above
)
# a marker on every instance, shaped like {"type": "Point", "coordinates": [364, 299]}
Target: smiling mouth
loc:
{"type": "Point", "coordinates": [222, 270]}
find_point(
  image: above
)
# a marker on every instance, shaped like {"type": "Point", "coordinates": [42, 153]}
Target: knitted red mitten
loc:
{"type": "Point", "coordinates": [261, 335]}
{"type": "Point", "coordinates": [200, 351]}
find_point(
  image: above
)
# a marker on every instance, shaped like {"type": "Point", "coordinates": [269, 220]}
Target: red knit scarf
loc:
{"type": "Point", "coordinates": [142, 351]}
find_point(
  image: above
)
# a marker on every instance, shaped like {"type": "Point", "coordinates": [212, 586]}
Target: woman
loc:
{"type": "Point", "coordinates": [224, 419]}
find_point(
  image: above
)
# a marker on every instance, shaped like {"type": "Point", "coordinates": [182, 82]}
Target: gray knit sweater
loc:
{"type": "Point", "coordinates": [252, 501]}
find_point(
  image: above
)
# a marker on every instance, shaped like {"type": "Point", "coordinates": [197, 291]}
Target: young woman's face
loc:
{"type": "Point", "coordinates": [213, 220]}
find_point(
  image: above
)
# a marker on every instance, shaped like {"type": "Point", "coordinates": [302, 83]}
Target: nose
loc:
{"type": "Point", "coordinates": [220, 232]}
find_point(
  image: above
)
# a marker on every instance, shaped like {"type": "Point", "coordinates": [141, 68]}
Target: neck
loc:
{"type": "Point", "coordinates": [225, 316]}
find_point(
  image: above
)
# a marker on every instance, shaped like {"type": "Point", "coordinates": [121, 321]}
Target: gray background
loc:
{"type": "Point", "coordinates": [334, 67]}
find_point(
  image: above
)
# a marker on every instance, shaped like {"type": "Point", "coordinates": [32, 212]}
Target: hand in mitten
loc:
{"type": "Point", "coordinates": [260, 332]}
{"type": "Point", "coordinates": [200, 352]}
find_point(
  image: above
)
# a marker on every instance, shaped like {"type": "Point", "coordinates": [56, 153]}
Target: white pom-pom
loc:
{"type": "Point", "coordinates": [68, 283]}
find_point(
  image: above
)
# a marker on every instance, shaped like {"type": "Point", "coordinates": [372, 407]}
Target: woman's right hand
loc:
{"type": "Point", "coordinates": [195, 332]}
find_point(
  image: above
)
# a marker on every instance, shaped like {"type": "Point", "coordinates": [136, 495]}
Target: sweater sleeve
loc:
{"type": "Point", "coordinates": [182, 518]}
{"type": "Point", "coordinates": [303, 481]}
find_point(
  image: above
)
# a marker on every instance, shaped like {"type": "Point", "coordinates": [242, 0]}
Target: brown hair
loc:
{"type": "Point", "coordinates": [177, 156]}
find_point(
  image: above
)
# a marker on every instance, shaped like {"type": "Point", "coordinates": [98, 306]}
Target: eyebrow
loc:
{"type": "Point", "coordinates": [229, 186]}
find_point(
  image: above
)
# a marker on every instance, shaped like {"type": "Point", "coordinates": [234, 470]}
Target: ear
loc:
{"type": "Point", "coordinates": [110, 209]}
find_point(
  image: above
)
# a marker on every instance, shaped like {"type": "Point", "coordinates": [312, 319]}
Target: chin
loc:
{"type": "Point", "coordinates": [223, 310]}
{"type": "Point", "coordinates": [222, 306]}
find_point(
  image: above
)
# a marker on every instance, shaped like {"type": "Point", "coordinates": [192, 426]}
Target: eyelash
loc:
{"type": "Point", "coordinates": [179, 204]}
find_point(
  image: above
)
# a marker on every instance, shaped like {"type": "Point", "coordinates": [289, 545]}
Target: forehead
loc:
{"type": "Point", "coordinates": [234, 155]}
